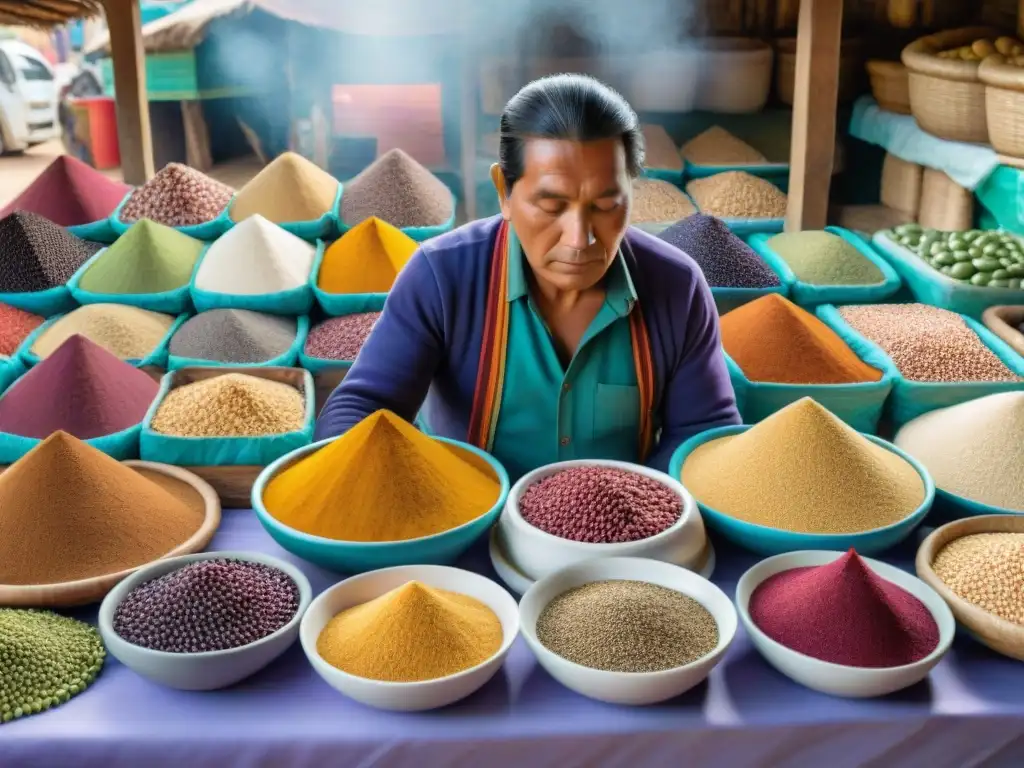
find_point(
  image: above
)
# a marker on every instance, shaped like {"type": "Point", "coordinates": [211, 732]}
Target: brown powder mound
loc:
{"type": "Point", "coordinates": [398, 190]}
{"type": "Point", "coordinates": [290, 189]}
{"type": "Point", "coordinates": [716, 146]}
{"type": "Point", "coordinates": [70, 512]}
{"type": "Point", "coordinates": [660, 150]}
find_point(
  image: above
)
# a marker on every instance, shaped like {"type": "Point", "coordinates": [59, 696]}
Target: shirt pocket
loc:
{"type": "Point", "coordinates": [617, 414]}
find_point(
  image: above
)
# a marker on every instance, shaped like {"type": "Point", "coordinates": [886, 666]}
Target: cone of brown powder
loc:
{"type": "Point", "coordinates": [68, 512]}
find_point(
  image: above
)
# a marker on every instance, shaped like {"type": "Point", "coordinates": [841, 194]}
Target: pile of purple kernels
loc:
{"type": "Point", "coordinates": [209, 605]}
{"type": "Point", "coordinates": [600, 505]}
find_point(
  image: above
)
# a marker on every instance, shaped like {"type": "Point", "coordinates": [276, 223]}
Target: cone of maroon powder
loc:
{"type": "Point", "coordinates": [844, 613]}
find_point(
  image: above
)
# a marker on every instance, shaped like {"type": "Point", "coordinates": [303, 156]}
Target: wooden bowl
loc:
{"type": "Point", "coordinates": [1000, 635]}
{"type": "Point", "coordinates": [85, 591]}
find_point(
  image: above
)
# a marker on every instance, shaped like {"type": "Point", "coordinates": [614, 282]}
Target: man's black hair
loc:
{"type": "Point", "coordinates": [572, 107]}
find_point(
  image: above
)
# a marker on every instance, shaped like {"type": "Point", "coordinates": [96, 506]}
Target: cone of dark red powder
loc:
{"type": "Point", "coordinates": [69, 192]}
{"type": "Point", "coordinates": [844, 613]}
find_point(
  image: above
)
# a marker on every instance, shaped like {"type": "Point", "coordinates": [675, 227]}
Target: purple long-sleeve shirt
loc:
{"type": "Point", "coordinates": [425, 348]}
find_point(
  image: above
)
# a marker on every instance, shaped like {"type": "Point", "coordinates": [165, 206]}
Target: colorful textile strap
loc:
{"type": "Point", "coordinates": [490, 379]}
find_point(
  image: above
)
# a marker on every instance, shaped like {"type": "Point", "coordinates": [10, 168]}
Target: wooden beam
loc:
{"type": "Point", "coordinates": [129, 59]}
{"type": "Point", "coordinates": [819, 37]}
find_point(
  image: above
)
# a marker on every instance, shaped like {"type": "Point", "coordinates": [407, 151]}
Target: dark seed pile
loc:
{"type": "Point", "coordinates": [627, 626]}
{"type": "Point", "coordinates": [600, 505]}
{"type": "Point", "coordinates": [36, 254]}
{"type": "Point", "coordinates": [45, 659]}
{"type": "Point", "coordinates": [178, 196]}
{"type": "Point", "coordinates": [341, 338]}
{"type": "Point", "coordinates": [234, 336]}
{"type": "Point", "coordinates": [398, 190]}
{"type": "Point", "coordinates": [209, 605]}
{"type": "Point", "coordinates": [727, 261]}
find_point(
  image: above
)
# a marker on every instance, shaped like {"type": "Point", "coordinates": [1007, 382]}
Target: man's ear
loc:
{"type": "Point", "coordinates": [498, 179]}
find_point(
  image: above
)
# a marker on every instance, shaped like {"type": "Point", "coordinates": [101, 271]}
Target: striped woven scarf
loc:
{"type": "Point", "coordinates": [490, 379]}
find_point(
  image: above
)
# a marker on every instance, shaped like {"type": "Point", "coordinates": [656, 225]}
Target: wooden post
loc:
{"type": "Point", "coordinates": [129, 59]}
{"type": "Point", "coordinates": [1020, 18]}
{"type": "Point", "coordinates": [819, 37]}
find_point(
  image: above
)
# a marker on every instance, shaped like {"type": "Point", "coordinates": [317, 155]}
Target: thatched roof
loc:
{"type": "Point", "coordinates": [179, 31]}
{"type": "Point", "coordinates": [46, 13]}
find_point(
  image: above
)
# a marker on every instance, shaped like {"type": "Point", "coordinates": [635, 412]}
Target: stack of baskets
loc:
{"type": "Point", "coordinates": [1004, 104]}
{"type": "Point", "coordinates": [890, 85]}
{"type": "Point", "coordinates": [851, 72]}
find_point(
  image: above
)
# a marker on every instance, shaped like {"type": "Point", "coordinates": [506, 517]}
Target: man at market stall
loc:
{"type": "Point", "coordinates": [553, 331]}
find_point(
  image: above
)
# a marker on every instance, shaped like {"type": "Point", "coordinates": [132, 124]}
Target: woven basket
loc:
{"type": "Point", "coordinates": [1004, 105]}
{"type": "Point", "coordinates": [851, 72]}
{"type": "Point", "coordinates": [945, 204]}
{"type": "Point", "coordinates": [1004, 321]}
{"type": "Point", "coordinates": [735, 75]}
{"type": "Point", "coordinates": [890, 85]}
{"type": "Point", "coordinates": [901, 186]}
{"type": "Point", "coordinates": [946, 97]}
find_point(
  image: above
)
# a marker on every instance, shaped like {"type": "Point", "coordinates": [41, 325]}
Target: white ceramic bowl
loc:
{"type": "Point", "coordinates": [210, 670]}
{"type": "Point", "coordinates": [417, 696]}
{"type": "Point", "coordinates": [536, 553]}
{"type": "Point", "coordinates": [839, 679]}
{"type": "Point", "coordinates": [627, 687]}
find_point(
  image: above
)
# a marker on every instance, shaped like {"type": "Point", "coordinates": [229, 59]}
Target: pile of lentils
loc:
{"type": "Point", "coordinates": [927, 343]}
{"type": "Point", "coordinates": [738, 195]}
{"type": "Point", "coordinates": [600, 505]}
{"type": "Point", "coordinates": [178, 196]}
{"type": "Point", "coordinates": [45, 659]}
{"type": "Point", "coordinates": [716, 146]}
{"type": "Point", "coordinates": [38, 254]}
{"type": "Point", "coordinates": [725, 260]}
{"type": "Point", "coordinates": [655, 200]}
{"type": "Point", "coordinates": [398, 190]}
{"type": "Point", "coordinates": [987, 570]}
{"type": "Point", "coordinates": [209, 605]}
{"type": "Point", "coordinates": [341, 338]}
{"type": "Point", "coordinates": [627, 626]}
{"type": "Point", "coordinates": [823, 258]}
{"type": "Point", "coordinates": [238, 336]}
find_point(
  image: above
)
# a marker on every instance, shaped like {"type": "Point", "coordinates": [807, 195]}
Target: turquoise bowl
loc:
{"type": "Point", "coordinates": [358, 556]}
{"type": "Point", "coordinates": [949, 507]}
{"type": "Point", "coordinates": [775, 541]}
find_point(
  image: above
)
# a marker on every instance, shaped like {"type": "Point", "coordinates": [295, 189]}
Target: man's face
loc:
{"type": "Point", "coordinates": [570, 209]}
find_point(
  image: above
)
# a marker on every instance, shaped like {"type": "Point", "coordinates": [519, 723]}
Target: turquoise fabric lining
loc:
{"type": "Point", "coordinates": [285, 360]}
{"type": "Point", "coordinates": [158, 357]}
{"type": "Point", "coordinates": [910, 399]}
{"type": "Point", "coordinates": [121, 445]}
{"type": "Point", "coordinates": [11, 369]}
{"type": "Point", "coordinates": [322, 228]}
{"type": "Point", "coordinates": [294, 301]}
{"type": "Point", "coordinates": [97, 231]}
{"type": "Point", "coordinates": [932, 287]}
{"type": "Point", "coordinates": [207, 231]}
{"type": "Point", "coordinates": [222, 451]}
{"type": "Point", "coordinates": [53, 301]}
{"type": "Point", "coordinates": [172, 302]}
{"type": "Point", "coordinates": [811, 295]}
{"type": "Point", "coordinates": [665, 174]}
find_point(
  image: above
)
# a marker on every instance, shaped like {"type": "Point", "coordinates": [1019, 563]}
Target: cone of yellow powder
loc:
{"type": "Point", "coordinates": [805, 473]}
{"type": "Point", "coordinates": [383, 481]}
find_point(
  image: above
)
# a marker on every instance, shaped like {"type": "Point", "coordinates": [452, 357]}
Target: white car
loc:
{"type": "Point", "coordinates": [28, 97]}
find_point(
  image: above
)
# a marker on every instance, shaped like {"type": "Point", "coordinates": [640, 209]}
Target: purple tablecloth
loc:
{"type": "Point", "coordinates": [969, 713]}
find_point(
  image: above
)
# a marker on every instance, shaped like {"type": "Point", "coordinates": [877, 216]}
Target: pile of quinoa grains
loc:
{"type": "Point", "coordinates": [341, 338]}
{"type": "Point", "coordinates": [804, 470]}
{"type": "Point", "coordinates": [986, 570]}
{"type": "Point", "coordinates": [627, 626]}
{"type": "Point", "coordinates": [716, 146]}
{"type": "Point", "coordinates": [655, 200]}
{"type": "Point", "coordinates": [129, 333]}
{"type": "Point", "coordinates": [231, 405]}
{"type": "Point", "coordinates": [738, 195]}
{"type": "Point", "coordinates": [208, 605]}
{"type": "Point", "coordinates": [600, 505]}
{"type": "Point", "coordinates": [397, 189]}
{"type": "Point", "coordinates": [383, 480]}
{"type": "Point", "coordinates": [844, 613]}
{"type": "Point", "coordinates": [985, 461]}
{"type": "Point", "coordinates": [37, 255]}
{"type": "Point", "coordinates": [412, 633]}
{"type": "Point", "coordinates": [289, 189]}
{"type": "Point", "coordinates": [178, 196]}
{"type": "Point", "coordinates": [659, 149]}
{"type": "Point", "coordinates": [45, 659]}
{"type": "Point", "coordinates": [927, 343]}
{"type": "Point", "coordinates": [51, 532]}
{"type": "Point", "coordinates": [725, 260]}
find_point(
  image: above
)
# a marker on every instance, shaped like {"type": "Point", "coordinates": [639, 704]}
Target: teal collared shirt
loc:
{"type": "Point", "coordinates": [589, 409]}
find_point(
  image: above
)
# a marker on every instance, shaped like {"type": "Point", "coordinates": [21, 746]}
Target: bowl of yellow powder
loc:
{"type": "Point", "coordinates": [410, 638]}
{"type": "Point", "coordinates": [383, 494]}
{"type": "Point", "coordinates": [801, 480]}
